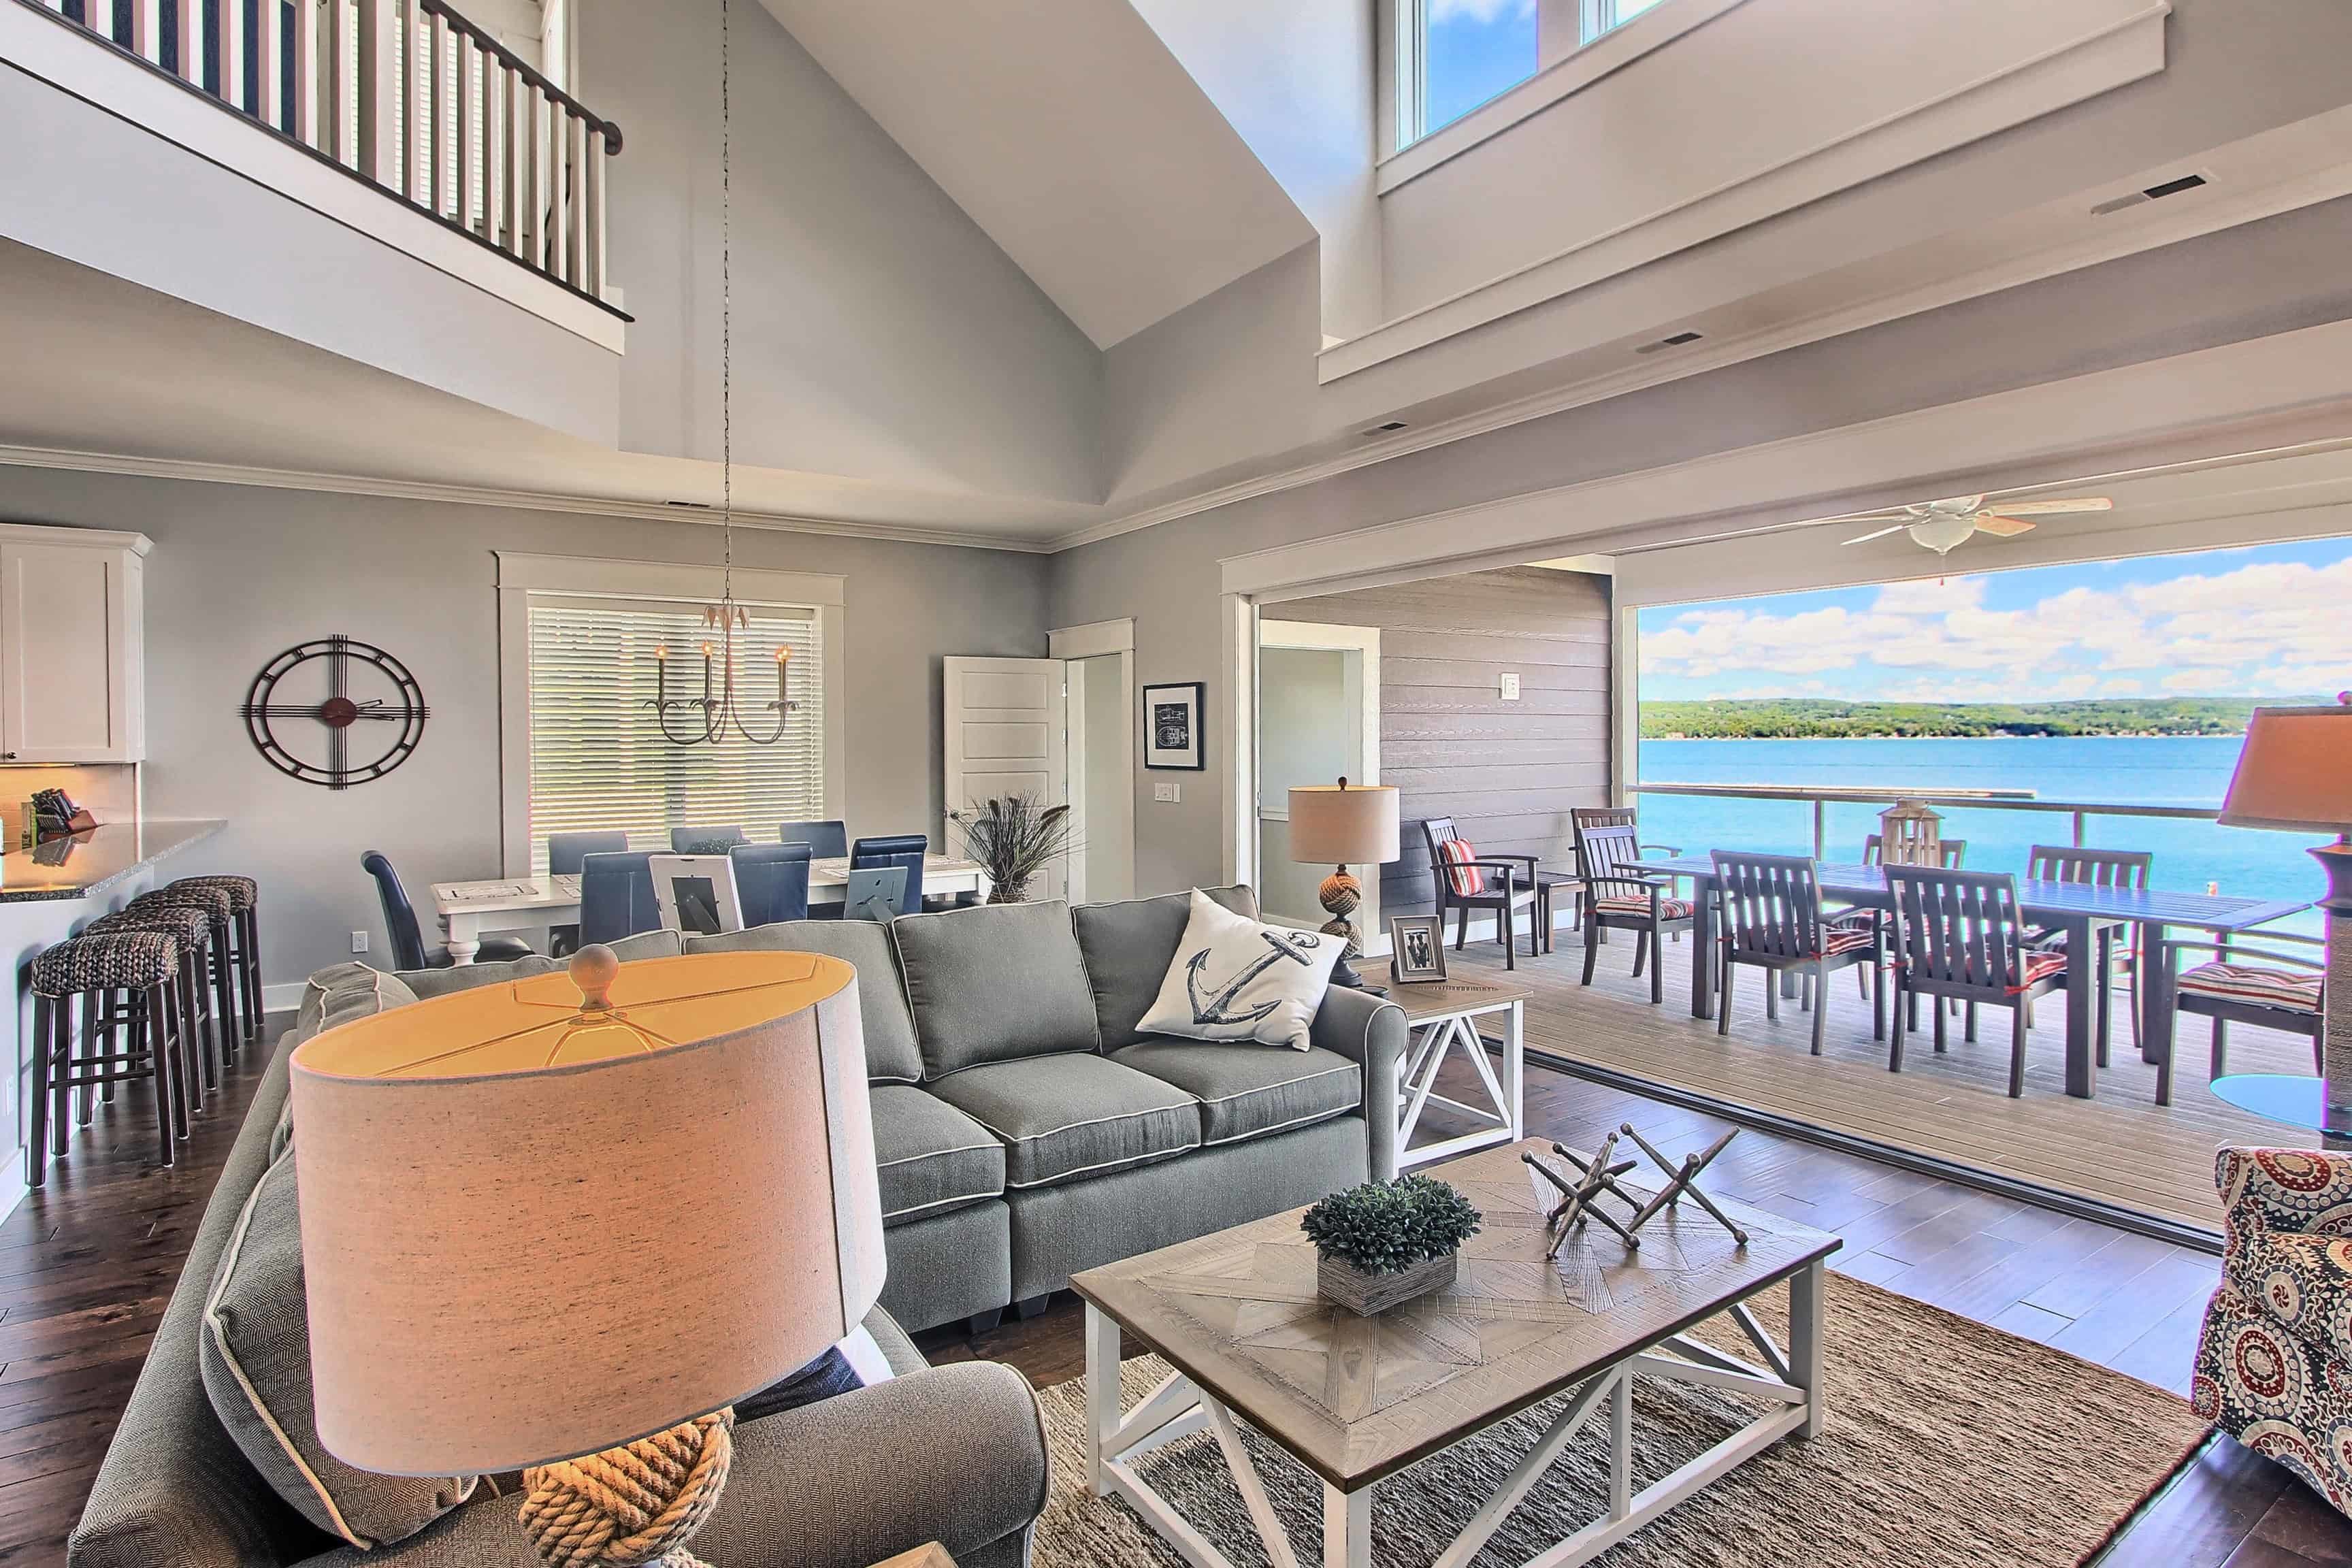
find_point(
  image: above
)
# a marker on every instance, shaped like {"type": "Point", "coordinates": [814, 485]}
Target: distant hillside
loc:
{"type": "Point", "coordinates": [1792, 718]}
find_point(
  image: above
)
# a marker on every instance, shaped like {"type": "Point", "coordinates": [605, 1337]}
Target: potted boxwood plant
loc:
{"type": "Point", "coordinates": [1386, 1242]}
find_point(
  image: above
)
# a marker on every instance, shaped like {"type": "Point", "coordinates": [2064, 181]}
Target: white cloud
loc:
{"type": "Point", "coordinates": [1482, 12]}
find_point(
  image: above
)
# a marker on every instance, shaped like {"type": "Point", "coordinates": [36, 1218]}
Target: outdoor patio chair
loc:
{"type": "Point", "coordinates": [1959, 935]}
{"type": "Point", "coordinates": [1466, 880]}
{"type": "Point", "coordinates": [2231, 991]}
{"type": "Point", "coordinates": [2098, 868]}
{"type": "Point", "coordinates": [1584, 817]}
{"type": "Point", "coordinates": [1771, 909]}
{"type": "Point", "coordinates": [1860, 916]}
{"type": "Point", "coordinates": [1618, 894]}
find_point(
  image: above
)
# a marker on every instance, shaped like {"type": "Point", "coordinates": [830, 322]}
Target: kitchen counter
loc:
{"type": "Point", "coordinates": [92, 862]}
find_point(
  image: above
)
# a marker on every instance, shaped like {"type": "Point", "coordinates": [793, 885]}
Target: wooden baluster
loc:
{"type": "Point", "coordinates": [436, 135]}
{"type": "Point", "coordinates": [515, 164]}
{"type": "Point", "coordinates": [305, 42]}
{"type": "Point", "coordinates": [377, 73]}
{"type": "Point", "coordinates": [469, 90]}
{"type": "Point", "coordinates": [598, 150]}
{"type": "Point", "coordinates": [576, 191]}
{"type": "Point", "coordinates": [228, 50]}
{"type": "Point", "coordinates": [147, 29]}
{"type": "Point", "coordinates": [546, 236]}
{"type": "Point", "coordinates": [269, 59]}
{"type": "Point", "coordinates": [186, 36]}
{"type": "Point", "coordinates": [416, 77]}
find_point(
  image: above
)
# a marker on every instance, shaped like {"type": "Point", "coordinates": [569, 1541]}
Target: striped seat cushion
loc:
{"type": "Point", "coordinates": [1467, 881]}
{"type": "Point", "coordinates": [1639, 904]}
{"type": "Point", "coordinates": [2263, 987]}
{"type": "Point", "coordinates": [1854, 920]}
{"type": "Point", "coordinates": [2040, 966]}
{"type": "Point", "coordinates": [1838, 939]}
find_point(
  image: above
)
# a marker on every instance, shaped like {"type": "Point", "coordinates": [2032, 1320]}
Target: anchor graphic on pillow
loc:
{"type": "Point", "coordinates": [1295, 946]}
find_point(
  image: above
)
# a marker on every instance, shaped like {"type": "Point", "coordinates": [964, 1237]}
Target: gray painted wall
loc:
{"type": "Point", "coordinates": [878, 332]}
{"type": "Point", "coordinates": [238, 574]}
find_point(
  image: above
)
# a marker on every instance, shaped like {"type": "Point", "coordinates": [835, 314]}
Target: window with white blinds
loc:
{"type": "Point", "coordinates": [599, 760]}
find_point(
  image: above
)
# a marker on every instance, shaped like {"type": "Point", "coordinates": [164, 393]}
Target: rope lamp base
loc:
{"type": "Point", "coordinates": [632, 1507]}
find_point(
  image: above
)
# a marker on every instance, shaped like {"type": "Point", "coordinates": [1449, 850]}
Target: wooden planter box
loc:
{"type": "Point", "coordinates": [1365, 1294]}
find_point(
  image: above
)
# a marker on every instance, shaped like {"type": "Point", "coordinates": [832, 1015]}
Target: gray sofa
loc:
{"type": "Point", "coordinates": [1027, 1129]}
{"type": "Point", "coordinates": [954, 1453]}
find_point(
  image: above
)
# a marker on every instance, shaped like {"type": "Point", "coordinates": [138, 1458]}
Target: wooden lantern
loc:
{"type": "Point", "coordinates": [1908, 834]}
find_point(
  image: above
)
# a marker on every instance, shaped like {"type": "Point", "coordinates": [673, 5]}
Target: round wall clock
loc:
{"type": "Point", "coordinates": [335, 711]}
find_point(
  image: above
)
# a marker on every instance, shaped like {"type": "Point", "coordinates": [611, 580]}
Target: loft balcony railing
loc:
{"type": "Point", "coordinates": [2080, 811]}
{"type": "Point", "coordinates": [405, 94]}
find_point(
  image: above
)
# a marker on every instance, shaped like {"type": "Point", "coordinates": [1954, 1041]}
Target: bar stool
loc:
{"type": "Point", "coordinates": [220, 909]}
{"type": "Point", "coordinates": [202, 1037]}
{"type": "Point", "coordinates": [144, 965]}
{"type": "Point", "coordinates": [245, 904]}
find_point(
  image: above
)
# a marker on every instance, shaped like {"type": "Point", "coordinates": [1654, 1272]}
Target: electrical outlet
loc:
{"type": "Point", "coordinates": [1167, 791]}
{"type": "Point", "coordinates": [1511, 688]}
{"type": "Point", "coordinates": [359, 942]}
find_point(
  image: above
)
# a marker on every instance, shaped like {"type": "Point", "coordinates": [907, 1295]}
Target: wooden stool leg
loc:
{"type": "Point", "coordinates": [36, 1149]}
{"type": "Point", "coordinates": [248, 952]}
{"type": "Point", "coordinates": [203, 1053]}
{"type": "Point", "coordinates": [85, 1094]}
{"type": "Point", "coordinates": [195, 1054]}
{"type": "Point", "coordinates": [222, 1001]}
{"type": "Point", "coordinates": [59, 1047]}
{"type": "Point", "coordinates": [170, 1108]}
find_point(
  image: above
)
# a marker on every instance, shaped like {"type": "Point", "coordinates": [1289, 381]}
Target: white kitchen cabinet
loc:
{"type": "Point", "coordinates": [72, 646]}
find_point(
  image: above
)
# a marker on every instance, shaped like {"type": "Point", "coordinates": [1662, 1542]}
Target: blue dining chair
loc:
{"type": "Point", "coordinates": [902, 849]}
{"type": "Point", "coordinates": [616, 897]}
{"type": "Point", "coordinates": [772, 881]}
{"type": "Point", "coordinates": [408, 949]}
{"type": "Point", "coordinates": [706, 840]}
{"type": "Point", "coordinates": [827, 840]}
{"type": "Point", "coordinates": [566, 850]}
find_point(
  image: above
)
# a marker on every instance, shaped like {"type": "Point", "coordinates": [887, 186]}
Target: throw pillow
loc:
{"type": "Point", "coordinates": [1468, 881]}
{"type": "Point", "coordinates": [254, 1356]}
{"type": "Point", "coordinates": [1235, 979]}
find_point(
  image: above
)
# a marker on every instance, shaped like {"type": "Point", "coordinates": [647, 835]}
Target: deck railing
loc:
{"type": "Point", "coordinates": [1975, 800]}
{"type": "Point", "coordinates": [406, 94]}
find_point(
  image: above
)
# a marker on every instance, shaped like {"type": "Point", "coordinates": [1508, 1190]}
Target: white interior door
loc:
{"type": "Point", "coordinates": [1005, 736]}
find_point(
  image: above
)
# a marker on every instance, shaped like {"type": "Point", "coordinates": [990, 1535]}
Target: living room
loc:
{"type": "Point", "coordinates": [754, 418]}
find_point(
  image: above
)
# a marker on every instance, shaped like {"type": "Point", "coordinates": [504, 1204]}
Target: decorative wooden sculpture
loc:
{"type": "Point", "coordinates": [1597, 1177]}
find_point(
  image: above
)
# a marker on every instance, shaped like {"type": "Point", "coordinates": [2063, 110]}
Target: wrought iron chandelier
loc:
{"type": "Point", "coordinates": [707, 718]}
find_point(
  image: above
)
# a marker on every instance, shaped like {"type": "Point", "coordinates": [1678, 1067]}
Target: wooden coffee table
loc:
{"type": "Point", "coordinates": [1357, 1399]}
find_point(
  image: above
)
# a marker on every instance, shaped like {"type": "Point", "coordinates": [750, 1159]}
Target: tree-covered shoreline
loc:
{"type": "Point", "coordinates": [1796, 718]}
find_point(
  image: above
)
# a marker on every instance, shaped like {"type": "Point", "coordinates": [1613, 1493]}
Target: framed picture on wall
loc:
{"type": "Point", "coordinates": [1171, 727]}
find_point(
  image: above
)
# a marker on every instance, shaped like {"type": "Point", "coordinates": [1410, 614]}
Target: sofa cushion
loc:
{"type": "Point", "coordinates": [1234, 978]}
{"type": "Point", "coordinates": [1066, 1116]}
{"type": "Point", "coordinates": [254, 1354]}
{"type": "Point", "coordinates": [343, 992]}
{"type": "Point", "coordinates": [994, 983]}
{"type": "Point", "coordinates": [1127, 947]}
{"type": "Point", "coordinates": [932, 1156]}
{"type": "Point", "coordinates": [890, 1052]}
{"type": "Point", "coordinates": [1248, 1089]}
{"type": "Point", "coordinates": [430, 983]}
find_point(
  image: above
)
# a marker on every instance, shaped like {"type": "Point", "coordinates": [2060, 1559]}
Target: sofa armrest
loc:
{"type": "Point", "coordinates": [1369, 1031]}
{"type": "Point", "coordinates": [2282, 1189]}
{"type": "Point", "coordinates": [951, 1454]}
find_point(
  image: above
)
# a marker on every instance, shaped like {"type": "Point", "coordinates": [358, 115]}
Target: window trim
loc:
{"type": "Point", "coordinates": [1611, 52]}
{"type": "Point", "coordinates": [521, 575]}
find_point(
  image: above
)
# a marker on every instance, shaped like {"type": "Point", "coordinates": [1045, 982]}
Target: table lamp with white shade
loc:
{"type": "Point", "coordinates": [2296, 772]}
{"type": "Point", "coordinates": [581, 1215]}
{"type": "Point", "coordinates": [1341, 826]}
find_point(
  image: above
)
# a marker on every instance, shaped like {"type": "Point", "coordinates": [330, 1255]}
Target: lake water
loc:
{"type": "Point", "coordinates": [2186, 769]}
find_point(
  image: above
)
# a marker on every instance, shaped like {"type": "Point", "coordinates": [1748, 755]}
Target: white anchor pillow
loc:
{"type": "Point", "coordinates": [1234, 979]}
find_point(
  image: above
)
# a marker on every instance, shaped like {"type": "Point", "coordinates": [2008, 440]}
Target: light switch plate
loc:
{"type": "Point", "coordinates": [359, 942]}
{"type": "Point", "coordinates": [1168, 791]}
{"type": "Point", "coordinates": [1511, 688]}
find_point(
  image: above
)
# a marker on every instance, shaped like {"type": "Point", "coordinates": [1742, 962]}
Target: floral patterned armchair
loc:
{"type": "Point", "coordinates": [2275, 1364]}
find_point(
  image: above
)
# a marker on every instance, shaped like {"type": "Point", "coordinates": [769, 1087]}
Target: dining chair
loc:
{"type": "Point", "coordinates": [566, 850]}
{"type": "Point", "coordinates": [706, 840]}
{"type": "Point", "coordinates": [2228, 990]}
{"type": "Point", "coordinates": [1619, 895]}
{"type": "Point", "coordinates": [1863, 917]}
{"type": "Point", "coordinates": [1772, 915]}
{"type": "Point", "coordinates": [1463, 881]}
{"type": "Point", "coordinates": [906, 850]}
{"type": "Point", "coordinates": [1959, 936]}
{"type": "Point", "coordinates": [408, 949]}
{"type": "Point", "coordinates": [2126, 868]}
{"type": "Point", "coordinates": [827, 840]}
{"type": "Point", "coordinates": [616, 896]}
{"type": "Point", "coordinates": [772, 881]}
{"type": "Point", "coordinates": [1583, 817]}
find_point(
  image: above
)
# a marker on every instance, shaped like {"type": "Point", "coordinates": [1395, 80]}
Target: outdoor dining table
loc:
{"type": "Point", "coordinates": [2076, 908]}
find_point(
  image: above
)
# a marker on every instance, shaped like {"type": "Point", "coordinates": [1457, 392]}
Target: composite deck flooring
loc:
{"type": "Point", "coordinates": [87, 1265]}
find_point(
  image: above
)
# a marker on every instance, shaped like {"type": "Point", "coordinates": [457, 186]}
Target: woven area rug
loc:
{"type": "Point", "coordinates": [1950, 1445]}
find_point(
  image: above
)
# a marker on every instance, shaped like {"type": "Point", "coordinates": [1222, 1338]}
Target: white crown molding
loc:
{"type": "Point", "coordinates": [611, 577]}
{"type": "Point", "coordinates": [2316, 152]}
{"type": "Point", "coordinates": [476, 495]}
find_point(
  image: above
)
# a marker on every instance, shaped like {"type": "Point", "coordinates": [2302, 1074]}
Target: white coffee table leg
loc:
{"type": "Point", "coordinates": [1515, 1049]}
{"type": "Point", "coordinates": [1102, 1395]}
{"type": "Point", "coordinates": [1806, 1310]}
{"type": "Point", "coordinates": [1347, 1528]}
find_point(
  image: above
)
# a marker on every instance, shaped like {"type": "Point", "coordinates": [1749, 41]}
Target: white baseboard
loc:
{"type": "Point", "coordinates": [13, 1188]}
{"type": "Point", "coordinates": [282, 999]}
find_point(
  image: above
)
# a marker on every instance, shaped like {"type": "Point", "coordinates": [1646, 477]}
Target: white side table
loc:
{"type": "Point", "coordinates": [1443, 1018]}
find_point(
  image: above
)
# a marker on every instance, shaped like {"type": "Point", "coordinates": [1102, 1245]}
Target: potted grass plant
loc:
{"type": "Point", "coordinates": [1386, 1242]}
{"type": "Point", "coordinates": [1013, 838]}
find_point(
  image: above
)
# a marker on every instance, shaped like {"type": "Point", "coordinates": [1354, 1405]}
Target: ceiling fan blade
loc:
{"type": "Point", "coordinates": [1880, 534]}
{"type": "Point", "coordinates": [2054, 508]}
{"type": "Point", "coordinates": [2001, 527]}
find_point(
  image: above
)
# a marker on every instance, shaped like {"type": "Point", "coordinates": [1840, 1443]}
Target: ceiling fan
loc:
{"type": "Point", "coordinates": [1942, 525]}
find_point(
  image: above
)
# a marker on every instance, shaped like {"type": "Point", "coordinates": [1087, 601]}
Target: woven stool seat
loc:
{"type": "Point", "coordinates": [217, 902]}
{"type": "Point", "coordinates": [184, 922]}
{"type": "Point", "coordinates": [244, 892]}
{"type": "Point", "coordinates": [113, 961]}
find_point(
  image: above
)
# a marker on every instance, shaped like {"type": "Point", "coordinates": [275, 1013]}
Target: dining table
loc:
{"type": "Point", "coordinates": [470, 910]}
{"type": "Point", "coordinates": [2078, 909]}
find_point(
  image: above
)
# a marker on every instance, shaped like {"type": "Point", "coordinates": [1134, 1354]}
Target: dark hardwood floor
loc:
{"type": "Point", "coordinates": [87, 1264]}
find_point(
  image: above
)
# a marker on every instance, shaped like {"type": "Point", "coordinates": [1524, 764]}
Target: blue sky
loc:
{"type": "Point", "coordinates": [2266, 621]}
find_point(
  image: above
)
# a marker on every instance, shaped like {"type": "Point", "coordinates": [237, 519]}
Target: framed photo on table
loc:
{"type": "Point", "coordinates": [695, 893]}
{"type": "Point", "coordinates": [1417, 945]}
{"type": "Point", "coordinates": [1172, 742]}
